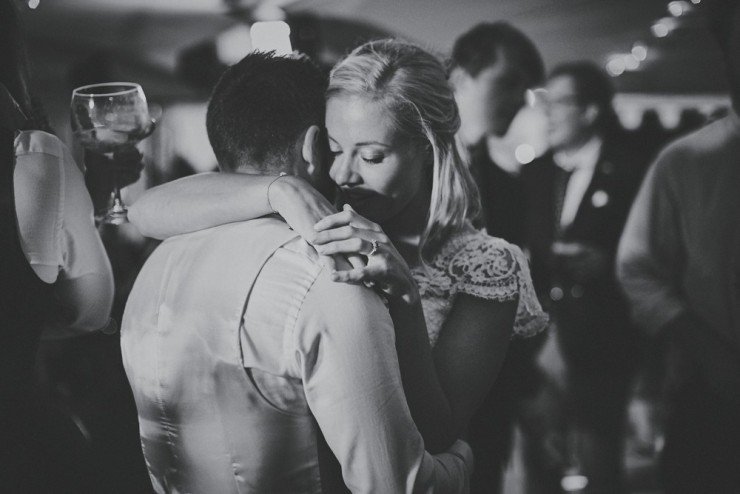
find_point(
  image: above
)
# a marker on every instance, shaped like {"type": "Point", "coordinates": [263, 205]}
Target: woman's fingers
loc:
{"type": "Point", "coordinates": [347, 216]}
{"type": "Point", "coordinates": [350, 276]}
{"type": "Point", "coordinates": [334, 234]}
{"type": "Point", "coordinates": [333, 221]}
{"type": "Point", "coordinates": [354, 245]}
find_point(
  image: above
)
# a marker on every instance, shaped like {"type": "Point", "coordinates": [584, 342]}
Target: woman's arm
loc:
{"type": "Point", "coordinates": [82, 306]}
{"type": "Point", "coordinates": [430, 406]}
{"type": "Point", "coordinates": [470, 351]}
{"type": "Point", "coordinates": [83, 290]}
{"type": "Point", "coordinates": [211, 199]}
{"type": "Point", "coordinates": [445, 387]}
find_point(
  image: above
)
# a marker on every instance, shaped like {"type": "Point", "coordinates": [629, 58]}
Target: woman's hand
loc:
{"type": "Point", "coordinates": [349, 233]}
{"type": "Point", "coordinates": [302, 206]}
{"type": "Point", "coordinates": [103, 173]}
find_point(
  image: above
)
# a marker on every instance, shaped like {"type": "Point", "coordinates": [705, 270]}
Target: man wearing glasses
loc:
{"type": "Point", "coordinates": [578, 196]}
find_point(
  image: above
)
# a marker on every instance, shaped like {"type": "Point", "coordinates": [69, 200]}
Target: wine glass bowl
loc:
{"type": "Point", "coordinates": [108, 117]}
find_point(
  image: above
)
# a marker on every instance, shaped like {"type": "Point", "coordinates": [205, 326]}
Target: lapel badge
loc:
{"type": "Point", "coordinates": [600, 199]}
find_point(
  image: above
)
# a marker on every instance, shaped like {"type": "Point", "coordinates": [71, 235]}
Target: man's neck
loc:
{"type": "Point", "coordinates": [501, 156]}
{"type": "Point", "coordinates": [577, 144]}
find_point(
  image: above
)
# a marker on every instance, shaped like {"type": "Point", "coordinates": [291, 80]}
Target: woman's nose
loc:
{"type": "Point", "coordinates": [343, 171]}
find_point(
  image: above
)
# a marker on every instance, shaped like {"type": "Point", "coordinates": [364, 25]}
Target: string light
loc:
{"type": "Point", "coordinates": [639, 51]}
{"type": "Point", "coordinates": [631, 62]}
{"type": "Point", "coordinates": [663, 27]}
{"type": "Point", "coordinates": [615, 66]}
{"type": "Point", "coordinates": [677, 8]}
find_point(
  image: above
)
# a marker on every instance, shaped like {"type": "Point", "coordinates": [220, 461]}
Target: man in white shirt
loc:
{"type": "Point", "coordinates": [240, 349]}
{"type": "Point", "coordinates": [578, 196]}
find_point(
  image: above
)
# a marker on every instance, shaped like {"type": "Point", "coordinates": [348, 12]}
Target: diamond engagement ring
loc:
{"type": "Point", "coordinates": [374, 250]}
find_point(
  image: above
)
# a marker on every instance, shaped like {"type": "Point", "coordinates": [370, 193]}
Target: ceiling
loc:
{"type": "Point", "coordinates": [151, 34]}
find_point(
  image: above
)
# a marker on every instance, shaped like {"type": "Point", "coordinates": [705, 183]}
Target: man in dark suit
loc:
{"type": "Point", "coordinates": [578, 197]}
{"type": "Point", "coordinates": [492, 67]}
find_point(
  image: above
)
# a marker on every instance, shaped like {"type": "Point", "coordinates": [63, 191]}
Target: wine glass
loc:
{"type": "Point", "coordinates": [108, 117]}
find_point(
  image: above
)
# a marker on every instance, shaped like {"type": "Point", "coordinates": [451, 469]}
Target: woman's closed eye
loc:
{"type": "Point", "coordinates": [372, 158]}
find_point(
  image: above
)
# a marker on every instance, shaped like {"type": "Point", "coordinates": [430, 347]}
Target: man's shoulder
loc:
{"type": "Point", "coordinates": [697, 151]}
{"type": "Point", "coordinates": [265, 228]}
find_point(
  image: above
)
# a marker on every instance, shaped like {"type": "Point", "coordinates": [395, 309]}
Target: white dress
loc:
{"type": "Point", "coordinates": [477, 264]}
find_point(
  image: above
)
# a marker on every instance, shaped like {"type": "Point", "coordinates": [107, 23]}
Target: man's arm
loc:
{"type": "Point", "coordinates": [353, 387]}
{"type": "Point", "coordinates": [650, 254]}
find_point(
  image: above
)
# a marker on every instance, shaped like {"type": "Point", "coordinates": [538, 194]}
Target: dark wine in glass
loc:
{"type": "Point", "coordinates": [108, 117]}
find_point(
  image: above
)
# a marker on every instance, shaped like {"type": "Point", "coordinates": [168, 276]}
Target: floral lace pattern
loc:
{"type": "Point", "coordinates": [474, 263]}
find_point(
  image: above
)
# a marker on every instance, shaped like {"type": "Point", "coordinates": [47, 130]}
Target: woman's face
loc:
{"type": "Point", "coordinates": [379, 169]}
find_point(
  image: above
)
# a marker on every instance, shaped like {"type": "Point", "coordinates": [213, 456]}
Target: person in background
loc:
{"type": "Point", "coordinates": [55, 280]}
{"type": "Point", "coordinates": [242, 360]}
{"type": "Point", "coordinates": [579, 194]}
{"type": "Point", "coordinates": [679, 264]}
{"type": "Point", "coordinates": [492, 67]}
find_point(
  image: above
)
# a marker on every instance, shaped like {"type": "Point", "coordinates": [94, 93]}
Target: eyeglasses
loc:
{"type": "Point", "coordinates": [563, 101]}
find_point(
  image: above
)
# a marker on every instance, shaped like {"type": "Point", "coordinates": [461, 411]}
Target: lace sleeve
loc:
{"type": "Point", "coordinates": [493, 269]}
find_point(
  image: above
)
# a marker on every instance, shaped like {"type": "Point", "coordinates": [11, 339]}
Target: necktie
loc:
{"type": "Point", "coordinates": [560, 186]}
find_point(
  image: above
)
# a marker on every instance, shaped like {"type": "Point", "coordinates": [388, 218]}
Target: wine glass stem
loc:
{"type": "Point", "coordinates": [117, 201]}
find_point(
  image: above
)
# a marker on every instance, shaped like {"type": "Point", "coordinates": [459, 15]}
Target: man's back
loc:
{"type": "Point", "coordinates": [236, 344]}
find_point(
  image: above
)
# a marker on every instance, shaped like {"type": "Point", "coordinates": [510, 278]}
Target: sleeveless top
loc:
{"type": "Point", "coordinates": [476, 264]}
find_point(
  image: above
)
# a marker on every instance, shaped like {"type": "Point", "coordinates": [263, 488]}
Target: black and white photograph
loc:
{"type": "Point", "coordinates": [369, 246]}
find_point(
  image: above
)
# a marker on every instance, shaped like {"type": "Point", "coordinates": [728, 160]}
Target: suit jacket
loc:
{"type": "Point", "coordinates": [502, 197]}
{"type": "Point", "coordinates": [592, 310]}
{"type": "Point", "coordinates": [598, 222]}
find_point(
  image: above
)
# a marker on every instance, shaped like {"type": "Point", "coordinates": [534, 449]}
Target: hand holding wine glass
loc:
{"type": "Point", "coordinates": [109, 118]}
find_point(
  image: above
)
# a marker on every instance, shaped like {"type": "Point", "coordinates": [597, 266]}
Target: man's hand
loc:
{"type": "Point", "coordinates": [104, 173]}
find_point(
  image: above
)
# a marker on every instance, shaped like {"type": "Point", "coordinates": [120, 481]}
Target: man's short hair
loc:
{"type": "Point", "coordinates": [260, 108]}
{"type": "Point", "coordinates": [592, 86]}
{"type": "Point", "coordinates": [482, 46]}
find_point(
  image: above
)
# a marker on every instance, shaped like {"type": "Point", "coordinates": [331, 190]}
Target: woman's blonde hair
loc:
{"type": "Point", "coordinates": [412, 83]}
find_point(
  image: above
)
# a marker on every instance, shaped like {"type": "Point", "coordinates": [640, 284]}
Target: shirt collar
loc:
{"type": "Point", "coordinates": [584, 157]}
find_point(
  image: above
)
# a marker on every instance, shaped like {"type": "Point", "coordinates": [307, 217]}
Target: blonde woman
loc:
{"type": "Point", "coordinates": [407, 197]}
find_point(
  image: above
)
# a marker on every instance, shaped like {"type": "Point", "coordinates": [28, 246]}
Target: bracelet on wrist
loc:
{"type": "Point", "coordinates": [269, 204]}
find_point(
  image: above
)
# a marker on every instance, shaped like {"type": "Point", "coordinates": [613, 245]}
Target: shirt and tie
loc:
{"type": "Point", "coordinates": [578, 168]}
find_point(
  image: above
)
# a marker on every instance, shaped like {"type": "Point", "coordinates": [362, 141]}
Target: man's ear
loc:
{"type": "Point", "coordinates": [312, 149]}
{"type": "Point", "coordinates": [591, 113]}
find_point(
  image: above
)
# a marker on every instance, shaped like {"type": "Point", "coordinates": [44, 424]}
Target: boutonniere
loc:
{"type": "Point", "coordinates": [600, 199]}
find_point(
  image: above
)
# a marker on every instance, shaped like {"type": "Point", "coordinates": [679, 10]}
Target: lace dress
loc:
{"type": "Point", "coordinates": [474, 263]}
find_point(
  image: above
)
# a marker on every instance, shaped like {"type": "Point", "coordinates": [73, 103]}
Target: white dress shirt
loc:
{"type": "Point", "coordinates": [582, 163]}
{"type": "Point", "coordinates": [237, 345]}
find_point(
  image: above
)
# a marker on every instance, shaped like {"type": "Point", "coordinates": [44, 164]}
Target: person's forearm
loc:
{"type": "Point", "coordinates": [80, 305]}
{"type": "Point", "coordinates": [200, 201]}
{"type": "Point", "coordinates": [429, 406]}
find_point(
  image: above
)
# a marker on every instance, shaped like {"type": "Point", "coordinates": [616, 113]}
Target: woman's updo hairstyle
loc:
{"type": "Point", "coordinates": [412, 84]}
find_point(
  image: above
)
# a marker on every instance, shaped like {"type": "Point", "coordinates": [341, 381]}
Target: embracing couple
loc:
{"type": "Point", "coordinates": [268, 322]}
